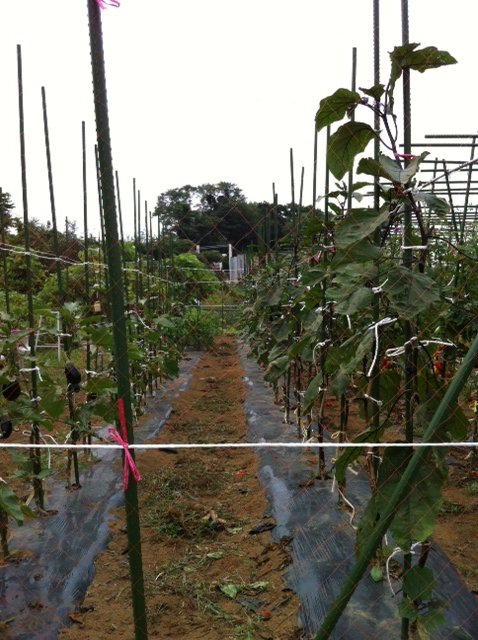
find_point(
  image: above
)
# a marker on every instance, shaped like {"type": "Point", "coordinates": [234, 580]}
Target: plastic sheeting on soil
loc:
{"type": "Point", "coordinates": [39, 592]}
{"type": "Point", "coordinates": [322, 546]}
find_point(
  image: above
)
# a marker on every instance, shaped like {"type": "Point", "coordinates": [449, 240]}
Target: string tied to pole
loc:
{"type": "Point", "coordinates": [103, 4]}
{"type": "Point", "coordinates": [374, 327]}
{"type": "Point", "coordinates": [129, 466]}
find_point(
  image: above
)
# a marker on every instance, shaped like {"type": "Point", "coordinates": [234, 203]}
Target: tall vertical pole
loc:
{"type": "Point", "coordinates": [407, 258]}
{"type": "Point", "coordinates": [52, 196]}
{"type": "Point", "coordinates": [4, 255]}
{"type": "Point", "coordinates": [140, 262]}
{"type": "Point", "coordinates": [87, 296]}
{"type": "Point", "coordinates": [123, 251]}
{"type": "Point", "coordinates": [135, 241]}
{"type": "Point", "coordinates": [314, 172]}
{"type": "Point", "coordinates": [35, 454]}
{"type": "Point", "coordinates": [375, 384]}
{"type": "Point", "coordinates": [116, 294]}
{"type": "Point", "coordinates": [353, 87]}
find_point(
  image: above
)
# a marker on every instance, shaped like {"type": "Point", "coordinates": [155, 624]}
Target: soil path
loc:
{"type": "Point", "coordinates": [209, 571]}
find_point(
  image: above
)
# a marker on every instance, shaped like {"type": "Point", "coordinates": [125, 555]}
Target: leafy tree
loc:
{"type": "Point", "coordinates": [6, 207]}
{"type": "Point", "coordinates": [209, 214]}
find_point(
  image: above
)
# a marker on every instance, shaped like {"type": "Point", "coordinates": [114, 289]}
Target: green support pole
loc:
{"type": "Point", "coordinates": [407, 259]}
{"type": "Point", "coordinates": [4, 256]}
{"type": "Point", "coordinates": [35, 454]}
{"type": "Point", "coordinates": [116, 294]}
{"type": "Point", "coordinates": [52, 199]}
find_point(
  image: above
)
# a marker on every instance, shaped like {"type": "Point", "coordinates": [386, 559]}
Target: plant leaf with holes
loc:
{"type": "Point", "coordinates": [345, 144]}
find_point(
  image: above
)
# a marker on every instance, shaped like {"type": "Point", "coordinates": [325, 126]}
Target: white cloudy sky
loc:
{"type": "Point", "coordinates": [202, 91]}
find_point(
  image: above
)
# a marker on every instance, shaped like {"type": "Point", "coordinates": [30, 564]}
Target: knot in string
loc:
{"type": "Point", "coordinates": [129, 464]}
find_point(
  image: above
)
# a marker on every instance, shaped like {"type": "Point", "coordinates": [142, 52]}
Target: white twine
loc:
{"type": "Point", "coordinates": [243, 445]}
{"type": "Point", "coordinates": [416, 247]}
{"type": "Point", "coordinates": [394, 553]}
{"type": "Point", "coordinates": [375, 327]}
{"type": "Point", "coordinates": [398, 351]}
{"type": "Point", "coordinates": [380, 287]}
{"type": "Point", "coordinates": [42, 437]}
{"type": "Point", "coordinates": [377, 402]}
{"type": "Point", "coordinates": [37, 334]}
{"type": "Point", "coordinates": [319, 345]}
{"type": "Point", "coordinates": [30, 370]}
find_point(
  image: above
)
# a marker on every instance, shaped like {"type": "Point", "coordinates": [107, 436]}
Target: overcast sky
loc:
{"type": "Point", "coordinates": [210, 90]}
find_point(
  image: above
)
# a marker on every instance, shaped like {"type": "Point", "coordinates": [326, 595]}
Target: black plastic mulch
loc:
{"type": "Point", "coordinates": [322, 546]}
{"type": "Point", "coordinates": [38, 593]}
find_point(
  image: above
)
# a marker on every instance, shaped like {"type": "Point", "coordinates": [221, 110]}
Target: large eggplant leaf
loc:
{"type": "Point", "coordinates": [391, 169]}
{"type": "Point", "coordinates": [357, 299]}
{"type": "Point", "coordinates": [358, 225]}
{"type": "Point", "coordinates": [408, 56]}
{"type": "Point", "coordinates": [345, 144]}
{"type": "Point", "coordinates": [334, 107]}
{"type": "Point", "coordinates": [410, 293]}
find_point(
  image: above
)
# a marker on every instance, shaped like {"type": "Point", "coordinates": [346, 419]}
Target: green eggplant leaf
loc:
{"type": "Point", "coordinates": [419, 583]}
{"type": "Point", "coordinates": [53, 403]}
{"type": "Point", "coordinates": [358, 299]}
{"type": "Point", "coordinates": [334, 107]}
{"type": "Point", "coordinates": [276, 368]}
{"type": "Point", "coordinates": [345, 144]}
{"type": "Point", "coordinates": [357, 226]}
{"type": "Point", "coordinates": [410, 293]}
{"type": "Point", "coordinates": [312, 392]}
{"type": "Point", "coordinates": [12, 505]}
{"type": "Point", "coordinates": [375, 92]}
{"type": "Point", "coordinates": [352, 453]}
{"type": "Point", "coordinates": [414, 517]}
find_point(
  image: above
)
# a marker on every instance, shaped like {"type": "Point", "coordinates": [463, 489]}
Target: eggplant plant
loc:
{"type": "Point", "coordinates": [383, 315]}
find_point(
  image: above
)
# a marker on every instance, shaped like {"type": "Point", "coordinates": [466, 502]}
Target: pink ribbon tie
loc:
{"type": "Point", "coordinates": [129, 465]}
{"type": "Point", "coordinates": [107, 3]}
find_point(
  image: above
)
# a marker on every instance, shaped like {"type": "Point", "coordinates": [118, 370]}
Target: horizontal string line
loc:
{"type": "Point", "coordinates": [242, 445]}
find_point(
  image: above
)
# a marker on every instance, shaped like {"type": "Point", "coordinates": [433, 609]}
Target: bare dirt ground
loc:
{"type": "Point", "coordinates": [206, 574]}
